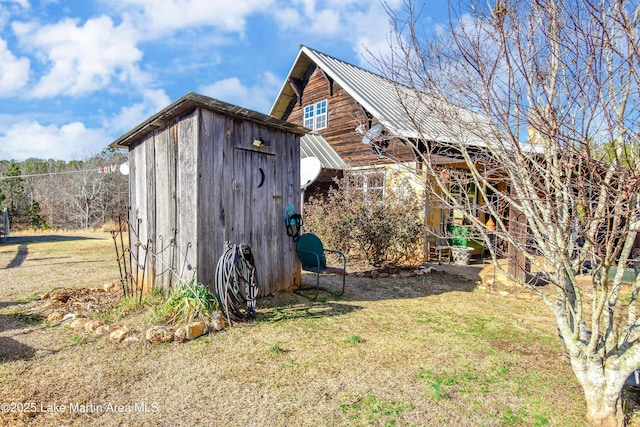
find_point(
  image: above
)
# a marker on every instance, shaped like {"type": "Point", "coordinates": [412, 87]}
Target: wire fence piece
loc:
{"type": "Point", "coordinates": [236, 282]}
{"type": "Point", "coordinates": [131, 263]}
{"type": "Point", "coordinates": [133, 257]}
{"type": "Point", "coordinates": [172, 261]}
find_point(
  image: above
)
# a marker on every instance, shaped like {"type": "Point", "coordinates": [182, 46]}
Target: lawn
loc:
{"type": "Point", "coordinates": [428, 350]}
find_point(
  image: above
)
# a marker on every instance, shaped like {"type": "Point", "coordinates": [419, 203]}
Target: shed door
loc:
{"type": "Point", "coordinates": [253, 191]}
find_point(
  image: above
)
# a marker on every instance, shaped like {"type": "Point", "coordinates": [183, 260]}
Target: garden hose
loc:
{"type": "Point", "coordinates": [236, 283]}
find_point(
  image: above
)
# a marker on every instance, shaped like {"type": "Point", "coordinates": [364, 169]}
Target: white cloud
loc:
{"type": "Point", "coordinates": [154, 18]}
{"type": "Point", "coordinates": [287, 18]}
{"type": "Point", "coordinates": [72, 141]}
{"type": "Point", "coordinates": [327, 22]}
{"type": "Point", "coordinates": [372, 32]}
{"type": "Point", "coordinates": [22, 3]}
{"type": "Point", "coordinates": [129, 116]}
{"type": "Point", "coordinates": [367, 22]}
{"type": "Point", "coordinates": [258, 97]}
{"type": "Point", "coordinates": [14, 72]}
{"type": "Point", "coordinates": [25, 137]}
{"type": "Point", "coordinates": [80, 58]}
{"type": "Point", "coordinates": [12, 7]}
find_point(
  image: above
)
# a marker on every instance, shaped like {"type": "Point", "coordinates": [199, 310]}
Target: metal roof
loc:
{"type": "Point", "coordinates": [192, 100]}
{"type": "Point", "coordinates": [314, 145]}
{"type": "Point", "coordinates": [403, 111]}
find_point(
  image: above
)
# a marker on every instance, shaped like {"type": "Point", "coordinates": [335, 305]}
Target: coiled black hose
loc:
{"type": "Point", "coordinates": [236, 283]}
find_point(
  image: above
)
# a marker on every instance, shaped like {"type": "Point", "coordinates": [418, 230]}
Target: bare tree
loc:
{"type": "Point", "coordinates": [49, 191]}
{"type": "Point", "coordinates": [562, 76]}
{"type": "Point", "coordinates": [69, 195]}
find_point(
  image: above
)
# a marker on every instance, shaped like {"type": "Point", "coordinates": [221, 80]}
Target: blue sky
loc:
{"type": "Point", "coordinates": [77, 74]}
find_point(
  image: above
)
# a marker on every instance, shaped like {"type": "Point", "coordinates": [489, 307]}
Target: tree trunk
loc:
{"type": "Point", "coordinates": [602, 392]}
{"type": "Point", "coordinates": [604, 410]}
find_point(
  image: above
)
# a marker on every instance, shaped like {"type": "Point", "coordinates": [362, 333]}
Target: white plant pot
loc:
{"type": "Point", "coordinates": [461, 255]}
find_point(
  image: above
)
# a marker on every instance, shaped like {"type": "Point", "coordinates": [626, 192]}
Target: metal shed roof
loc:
{"type": "Point", "coordinates": [192, 100]}
{"type": "Point", "coordinates": [314, 145]}
{"type": "Point", "coordinates": [403, 111]}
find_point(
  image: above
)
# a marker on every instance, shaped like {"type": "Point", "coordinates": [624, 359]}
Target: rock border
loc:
{"type": "Point", "coordinates": [120, 332]}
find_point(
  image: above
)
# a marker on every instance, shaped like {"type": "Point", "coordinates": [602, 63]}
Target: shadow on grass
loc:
{"type": "Point", "coordinates": [10, 348]}
{"type": "Point", "coordinates": [24, 241]}
{"type": "Point", "coordinates": [21, 255]}
{"type": "Point", "coordinates": [288, 306]}
{"type": "Point", "coordinates": [43, 238]}
{"type": "Point", "coordinates": [379, 289]}
{"type": "Point", "coordinates": [4, 304]}
{"type": "Point", "coordinates": [18, 321]}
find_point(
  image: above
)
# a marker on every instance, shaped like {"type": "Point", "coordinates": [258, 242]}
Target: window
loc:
{"type": "Point", "coordinates": [465, 194]}
{"type": "Point", "coordinates": [370, 182]}
{"type": "Point", "coordinates": [315, 115]}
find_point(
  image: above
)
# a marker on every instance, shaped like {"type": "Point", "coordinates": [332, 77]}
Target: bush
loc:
{"type": "Point", "coordinates": [332, 217]}
{"type": "Point", "coordinates": [36, 220]}
{"type": "Point", "coordinates": [366, 225]}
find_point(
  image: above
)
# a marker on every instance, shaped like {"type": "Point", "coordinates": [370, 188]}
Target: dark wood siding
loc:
{"type": "Point", "coordinates": [344, 115]}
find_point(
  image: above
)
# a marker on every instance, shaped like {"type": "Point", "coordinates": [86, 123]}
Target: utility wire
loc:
{"type": "Point", "coordinates": [101, 170]}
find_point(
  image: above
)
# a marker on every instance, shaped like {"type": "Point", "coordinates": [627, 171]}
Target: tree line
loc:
{"type": "Point", "coordinates": [77, 194]}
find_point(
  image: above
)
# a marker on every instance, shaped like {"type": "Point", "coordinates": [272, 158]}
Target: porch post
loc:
{"type": "Point", "coordinates": [425, 243]}
{"type": "Point", "coordinates": [518, 266]}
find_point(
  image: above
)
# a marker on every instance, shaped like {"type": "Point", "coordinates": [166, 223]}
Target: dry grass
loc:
{"type": "Point", "coordinates": [40, 262]}
{"type": "Point", "coordinates": [432, 350]}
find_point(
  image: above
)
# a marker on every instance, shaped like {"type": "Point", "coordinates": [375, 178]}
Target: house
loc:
{"type": "Point", "coordinates": [367, 119]}
{"type": "Point", "coordinates": [203, 172]}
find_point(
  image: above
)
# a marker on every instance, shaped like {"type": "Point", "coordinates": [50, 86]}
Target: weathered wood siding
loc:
{"type": "Point", "coordinates": [344, 115]}
{"type": "Point", "coordinates": [240, 206]}
{"type": "Point", "coordinates": [185, 131]}
{"type": "Point", "coordinates": [142, 215]}
{"type": "Point", "coordinates": [212, 183]}
{"type": "Point", "coordinates": [166, 227]}
{"type": "Point", "coordinates": [198, 182]}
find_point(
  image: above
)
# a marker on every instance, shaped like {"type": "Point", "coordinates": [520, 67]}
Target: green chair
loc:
{"type": "Point", "coordinates": [312, 256]}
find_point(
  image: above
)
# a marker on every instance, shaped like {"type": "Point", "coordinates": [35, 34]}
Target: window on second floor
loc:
{"type": "Point", "coordinates": [315, 115]}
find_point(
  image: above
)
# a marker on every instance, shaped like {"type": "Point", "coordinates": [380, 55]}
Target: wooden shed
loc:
{"type": "Point", "coordinates": [203, 172]}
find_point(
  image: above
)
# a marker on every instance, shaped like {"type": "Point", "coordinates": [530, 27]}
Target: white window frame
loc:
{"type": "Point", "coordinates": [461, 190]}
{"type": "Point", "coordinates": [364, 180]}
{"type": "Point", "coordinates": [315, 116]}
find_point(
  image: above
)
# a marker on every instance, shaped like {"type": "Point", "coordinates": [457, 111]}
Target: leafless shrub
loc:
{"type": "Point", "coordinates": [369, 225]}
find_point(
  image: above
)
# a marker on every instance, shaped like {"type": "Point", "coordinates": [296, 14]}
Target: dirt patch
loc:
{"type": "Point", "coordinates": [84, 302]}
